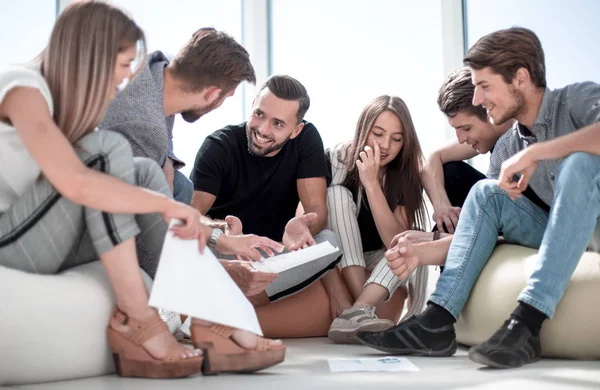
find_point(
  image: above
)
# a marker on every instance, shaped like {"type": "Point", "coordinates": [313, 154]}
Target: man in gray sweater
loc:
{"type": "Point", "coordinates": [200, 77]}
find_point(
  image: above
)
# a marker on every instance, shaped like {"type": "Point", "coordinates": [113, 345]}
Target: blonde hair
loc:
{"type": "Point", "coordinates": [79, 62]}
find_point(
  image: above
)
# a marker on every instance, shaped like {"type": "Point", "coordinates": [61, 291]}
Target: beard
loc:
{"type": "Point", "coordinates": [514, 109]}
{"type": "Point", "coordinates": [258, 151]}
{"type": "Point", "coordinates": [193, 115]}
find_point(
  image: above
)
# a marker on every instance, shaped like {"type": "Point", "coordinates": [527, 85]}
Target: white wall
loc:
{"type": "Point", "coordinates": [25, 27]}
{"type": "Point", "coordinates": [347, 52]}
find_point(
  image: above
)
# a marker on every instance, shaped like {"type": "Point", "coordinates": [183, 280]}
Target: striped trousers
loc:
{"type": "Point", "coordinates": [342, 220]}
{"type": "Point", "coordinates": [45, 233]}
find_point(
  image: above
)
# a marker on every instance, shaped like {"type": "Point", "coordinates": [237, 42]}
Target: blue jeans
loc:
{"type": "Point", "coordinates": [183, 188]}
{"type": "Point", "coordinates": [561, 236]}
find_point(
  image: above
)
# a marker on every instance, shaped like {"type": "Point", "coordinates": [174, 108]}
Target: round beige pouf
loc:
{"type": "Point", "coordinates": [574, 332]}
{"type": "Point", "coordinates": [53, 327]}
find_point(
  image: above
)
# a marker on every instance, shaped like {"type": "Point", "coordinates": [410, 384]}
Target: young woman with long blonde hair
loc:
{"type": "Point", "coordinates": [70, 194]}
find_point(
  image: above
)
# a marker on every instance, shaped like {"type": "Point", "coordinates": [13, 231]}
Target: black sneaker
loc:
{"type": "Point", "coordinates": [511, 346]}
{"type": "Point", "coordinates": [411, 337]}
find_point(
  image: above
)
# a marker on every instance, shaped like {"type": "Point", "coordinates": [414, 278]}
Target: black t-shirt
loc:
{"type": "Point", "coordinates": [261, 191]}
{"type": "Point", "coordinates": [369, 235]}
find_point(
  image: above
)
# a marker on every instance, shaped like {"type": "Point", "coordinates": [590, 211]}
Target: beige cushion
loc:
{"type": "Point", "coordinates": [53, 327]}
{"type": "Point", "coordinates": [574, 332]}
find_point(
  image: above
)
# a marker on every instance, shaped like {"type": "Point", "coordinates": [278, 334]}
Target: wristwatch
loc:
{"type": "Point", "coordinates": [212, 241]}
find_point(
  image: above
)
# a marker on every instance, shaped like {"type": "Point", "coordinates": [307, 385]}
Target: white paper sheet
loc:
{"type": "Point", "coordinates": [197, 285]}
{"type": "Point", "coordinates": [285, 261]}
{"type": "Point", "coordinates": [386, 363]}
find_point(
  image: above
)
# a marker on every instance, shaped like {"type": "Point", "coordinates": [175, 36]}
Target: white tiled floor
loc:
{"type": "Point", "coordinates": [306, 368]}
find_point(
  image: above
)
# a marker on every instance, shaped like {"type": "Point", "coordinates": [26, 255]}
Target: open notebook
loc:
{"type": "Point", "coordinates": [288, 260]}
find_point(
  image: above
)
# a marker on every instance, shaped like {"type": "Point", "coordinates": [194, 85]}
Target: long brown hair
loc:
{"type": "Point", "coordinates": [402, 184]}
{"type": "Point", "coordinates": [79, 62]}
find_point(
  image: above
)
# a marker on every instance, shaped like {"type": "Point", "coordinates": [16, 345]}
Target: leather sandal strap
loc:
{"type": "Point", "coordinates": [222, 330]}
{"type": "Point", "coordinates": [139, 332]}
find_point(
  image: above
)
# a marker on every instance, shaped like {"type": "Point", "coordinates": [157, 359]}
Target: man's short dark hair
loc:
{"type": "Point", "coordinates": [288, 88]}
{"type": "Point", "coordinates": [506, 51]}
{"type": "Point", "coordinates": [456, 95]}
{"type": "Point", "coordinates": [212, 58]}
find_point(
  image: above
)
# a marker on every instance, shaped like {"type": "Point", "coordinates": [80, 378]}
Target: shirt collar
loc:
{"type": "Point", "coordinates": [543, 120]}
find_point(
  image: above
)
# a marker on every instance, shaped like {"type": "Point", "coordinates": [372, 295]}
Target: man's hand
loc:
{"type": "Point", "coordinates": [234, 226]}
{"type": "Point", "coordinates": [401, 258]}
{"type": "Point", "coordinates": [169, 172]}
{"type": "Point", "coordinates": [246, 246]}
{"type": "Point", "coordinates": [525, 163]}
{"type": "Point", "coordinates": [413, 236]}
{"type": "Point", "coordinates": [446, 215]}
{"type": "Point", "coordinates": [248, 279]}
{"type": "Point", "coordinates": [297, 235]}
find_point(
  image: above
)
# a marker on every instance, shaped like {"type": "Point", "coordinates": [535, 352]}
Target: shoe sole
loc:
{"type": "Point", "coordinates": [446, 352]}
{"type": "Point", "coordinates": [348, 336]}
{"type": "Point", "coordinates": [485, 361]}
{"type": "Point", "coordinates": [245, 362]}
{"type": "Point", "coordinates": [131, 368]}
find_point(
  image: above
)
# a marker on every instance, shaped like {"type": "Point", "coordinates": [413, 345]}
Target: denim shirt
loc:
{"type": "Point", "coordinates": [562, 112]}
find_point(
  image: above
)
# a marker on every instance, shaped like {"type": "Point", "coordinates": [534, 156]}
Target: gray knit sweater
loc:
{"type": "Point", "coordinates": [137, 113]}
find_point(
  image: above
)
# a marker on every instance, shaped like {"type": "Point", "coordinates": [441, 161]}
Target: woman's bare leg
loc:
{"type": "Point", "coordinates": [305, 314]}
{"type": "Point", "coordinates": [132, 297]}
{"type": "Point", "coordinates": [355, 277]}
{"type": "Point", "coordinates": [374, 295]}
{"type": "Point", "coordinates": [392, 309]}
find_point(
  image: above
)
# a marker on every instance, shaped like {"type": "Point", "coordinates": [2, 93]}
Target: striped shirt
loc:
{"type": "Point", "coordinates": [138, 114]}
{"type": "Point", "coordinates": [563, 111]}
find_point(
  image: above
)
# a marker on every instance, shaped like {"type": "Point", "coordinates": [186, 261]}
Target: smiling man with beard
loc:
{"type": "Point", "coordinates": [259, 171]}
{"type": "Point", "coordinates": [201, 76]}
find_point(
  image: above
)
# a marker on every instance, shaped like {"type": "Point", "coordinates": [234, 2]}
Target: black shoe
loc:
{"type": "Point", "coordinates": [411, 337]}
{"type": "Point", "coordinates": [511, 346]}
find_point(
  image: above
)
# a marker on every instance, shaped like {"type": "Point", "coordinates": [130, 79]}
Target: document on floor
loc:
{"type": "Point", "coordinates": [287, 260]}
{"type": "Point", "coordinates": [197, 285]}
{"type": "Point", "coordinates": [386, 363]}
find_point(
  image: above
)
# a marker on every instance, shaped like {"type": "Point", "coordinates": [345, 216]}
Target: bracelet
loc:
{"type": "Point", "coordinates": [436, 235]}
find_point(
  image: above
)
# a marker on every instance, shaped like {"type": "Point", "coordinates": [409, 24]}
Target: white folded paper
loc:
{"type": "Point", "coordinates": [197, 285]}
{"type": "Point", "coordinates": [387, 363]}
{"type": "Point", "coordinates": [287, 260]}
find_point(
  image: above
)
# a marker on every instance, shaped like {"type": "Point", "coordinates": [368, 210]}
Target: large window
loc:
{"type": "Point", "coordinates": [568, 30]}
{"type": "Point", "coordinates": [347, 52]}
{"type": "Point", "coordinates": [25, 27]}
{"type": "Point", "coordinates": [168, 26]}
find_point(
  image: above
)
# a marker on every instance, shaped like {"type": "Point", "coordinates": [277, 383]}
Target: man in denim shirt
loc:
{"type": "Point", "coordinates": [556, 151]}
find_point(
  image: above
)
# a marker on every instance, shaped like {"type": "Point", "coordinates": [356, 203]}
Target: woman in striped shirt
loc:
{"type": "Point", "coordinates": [375, 194]}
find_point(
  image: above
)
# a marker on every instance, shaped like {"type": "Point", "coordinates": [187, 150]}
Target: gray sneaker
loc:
{"type": "Point", "coordinates": [356, 319]}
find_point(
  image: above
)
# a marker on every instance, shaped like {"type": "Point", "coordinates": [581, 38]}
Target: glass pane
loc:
{"type": "Point", "coordinates": [25, 28]}
{"type": "Point", "coordinates": [568, 30]}
{"type": "Point", "coordinates": [347, 52]}
{"type": "Point", "coordinates": [168, 26]}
